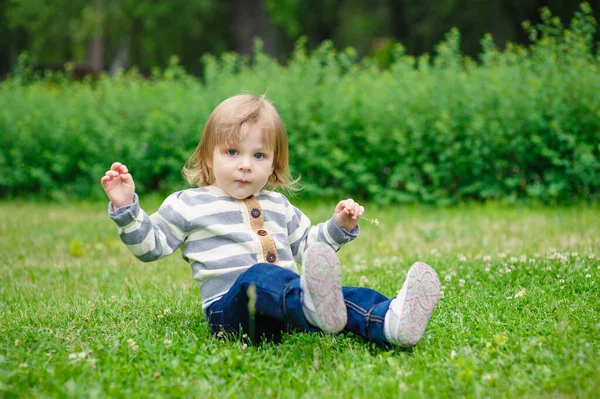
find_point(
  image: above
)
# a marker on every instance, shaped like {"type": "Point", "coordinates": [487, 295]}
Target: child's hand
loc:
{"type": "Point", "coordinates": [118, 185]}
{"type": "Point", "coordinates": [347, 213]}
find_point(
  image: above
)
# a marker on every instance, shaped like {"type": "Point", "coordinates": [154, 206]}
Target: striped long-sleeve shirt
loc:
{"type": "Point", "coordinates": [221, 237]}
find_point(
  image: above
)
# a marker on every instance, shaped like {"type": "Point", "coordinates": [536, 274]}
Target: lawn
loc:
{"type": "Point", "coordinates": [519, 317]}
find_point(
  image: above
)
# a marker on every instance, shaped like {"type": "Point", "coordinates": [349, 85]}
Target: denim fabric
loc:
{"type": "Point", "coordinates": [279, 307]}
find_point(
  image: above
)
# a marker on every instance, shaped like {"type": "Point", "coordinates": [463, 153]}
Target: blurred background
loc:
{"type": "Point", "coordinates": [105, 35]}
{"type": "Point", "coordinates": [389, 101]}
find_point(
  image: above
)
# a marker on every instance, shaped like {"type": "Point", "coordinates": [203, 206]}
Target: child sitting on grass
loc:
{"type": "Point", "coordinates": [244, 241]}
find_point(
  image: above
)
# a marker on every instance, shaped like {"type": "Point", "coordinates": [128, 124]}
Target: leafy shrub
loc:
{"type": "Point", "coordinates": [522, 123]}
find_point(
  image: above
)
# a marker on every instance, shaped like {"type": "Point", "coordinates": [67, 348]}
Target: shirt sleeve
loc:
{"type": "Point", "coordinates": [301, 234]}
{"type": "Point", "coordinates": [150, 237]}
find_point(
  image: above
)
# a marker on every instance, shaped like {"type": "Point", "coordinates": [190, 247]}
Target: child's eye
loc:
{"type": "Point", "coordinates": [259, 155]}
{"type": "Point", "coordinates": [231, 152]}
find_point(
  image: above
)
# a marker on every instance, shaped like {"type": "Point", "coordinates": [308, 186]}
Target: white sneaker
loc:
{"type": "Point", "coordinates": [321, 282]}
{"type": "Point", "coordinates": [410, 311]}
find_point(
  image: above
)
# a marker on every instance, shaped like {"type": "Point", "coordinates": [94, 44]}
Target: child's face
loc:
{"type": "Point", "coordinates": [243, 171]}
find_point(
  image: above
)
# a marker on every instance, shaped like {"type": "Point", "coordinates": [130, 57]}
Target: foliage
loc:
{"type": "Point", "coordinates": [519, 316]}
{"type": "Point", "coordinates": [522, 123]}
{"type": "Point", "coordinates": [109, 34]}
{"type": "Point", "coordinates": [155, 29]}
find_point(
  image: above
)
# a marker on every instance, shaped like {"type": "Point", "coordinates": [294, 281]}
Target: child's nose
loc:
{"type": "Point", "coordinates": [245, 164]}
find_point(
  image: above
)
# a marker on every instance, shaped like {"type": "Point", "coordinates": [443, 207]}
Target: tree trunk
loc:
{"type": "Point", "coordinates": [96, 47]}
{"type": "Point", "coordinates": [250, 20]}
{"type": "Point", "coordinates": [398, 19]}
{"type": "Point", "coordinates": [121, 60]}
{"type": "Point", "coordinates": [496, 22]}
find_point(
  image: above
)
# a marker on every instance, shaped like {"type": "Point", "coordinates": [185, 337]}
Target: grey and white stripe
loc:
{"type": "Point", "coordinates": [215, 236]}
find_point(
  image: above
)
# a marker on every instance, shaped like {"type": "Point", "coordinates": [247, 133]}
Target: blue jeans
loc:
{"type": "Point", "coordinates": [279, 307]}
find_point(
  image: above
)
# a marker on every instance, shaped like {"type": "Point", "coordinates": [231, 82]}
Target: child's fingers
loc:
{"type": "Point", "coordinates": [119, 167]}
{"type": "Point", "coordinates": [348, 205]}
{"type": "Point", "coordinates": [111, 173]}
{"type": "Point", "coordinates": [350, 208]}
{"type": "Point", "coordinates": [354, 209]}
{"type": "Point", "coordinates": [125, 177]}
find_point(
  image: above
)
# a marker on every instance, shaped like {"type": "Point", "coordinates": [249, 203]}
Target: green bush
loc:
{"type": "Point", "coordinates": [518, 124]}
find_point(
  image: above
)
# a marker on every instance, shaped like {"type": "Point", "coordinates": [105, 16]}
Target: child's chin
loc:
{"type": "Point", "coordinates": [241, 195]}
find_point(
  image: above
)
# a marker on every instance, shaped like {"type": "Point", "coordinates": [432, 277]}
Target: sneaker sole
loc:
{"type": "Point", "coordinates": [323, 278]}
{"type": "Point", "coordinates": [422, 296]}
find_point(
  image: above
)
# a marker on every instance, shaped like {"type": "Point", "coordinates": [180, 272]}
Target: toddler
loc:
{"type": "Point", "coordinates": [244, 241]}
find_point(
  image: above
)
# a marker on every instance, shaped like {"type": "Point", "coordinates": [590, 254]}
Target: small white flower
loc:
{"type": "Point", "coordinates": [461, 282]}
{"type": "Point", "coordinates": [448, 277]}
{"type": "Point", "coordinates": [487, 258]}
{"type": "Point", "coordinates": [561, 281]}
{"type": "Point", "coordinates": [132, 345]}
{"type": "Point", "coordinates": [588, 275]}
{"type": "Point", "coordinates": [168, 343]}
{"type": "Point", "coordinates": [363, 280]}
{"type": "Point", "coordinates": [17, 342]}
{"type": "Point", "coordinates": [520, 293]}
{"type": "Point", "coordinates": [462, 258]}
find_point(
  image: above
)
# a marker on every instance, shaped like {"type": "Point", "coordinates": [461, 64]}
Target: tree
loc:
{"type": "Point", "coordinates": [127, 32]}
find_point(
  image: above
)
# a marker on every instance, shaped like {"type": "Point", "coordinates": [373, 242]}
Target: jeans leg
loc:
{"type": "Point", "coordinates": [278, 304]}
{"type": "Point", "coordinates": [366, 313]}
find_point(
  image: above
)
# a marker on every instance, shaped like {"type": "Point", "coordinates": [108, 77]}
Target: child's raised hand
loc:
{"type": "Point", "coordinates": [347, 213]}
{"type": "Point", "coordinates": [118, 185]}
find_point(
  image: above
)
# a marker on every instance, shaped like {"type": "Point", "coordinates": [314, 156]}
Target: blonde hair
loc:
{"type": "Point", "coordinates": [227, 125]}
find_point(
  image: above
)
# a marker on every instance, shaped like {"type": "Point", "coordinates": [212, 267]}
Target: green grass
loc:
{"type": "Point", "coordinates": [520, 314]}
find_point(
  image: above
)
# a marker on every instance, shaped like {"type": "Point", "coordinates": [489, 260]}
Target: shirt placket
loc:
{"type": "Point", "coordinates": [257, 223]}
